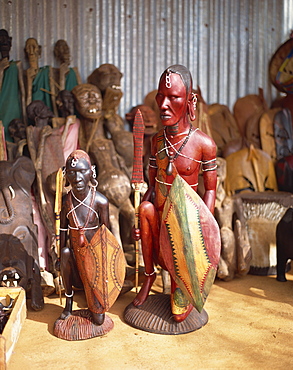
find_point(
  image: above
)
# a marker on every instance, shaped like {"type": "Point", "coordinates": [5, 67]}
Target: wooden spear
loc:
{"type": "Point", "coordinates": [57, 210]}
{"type": "Point", "coordinates": [137, 177]}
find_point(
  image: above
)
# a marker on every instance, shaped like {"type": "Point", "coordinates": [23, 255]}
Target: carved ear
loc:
{"type": "Point", "coordinates": [191, 108]}
{"type": "Point", "coordinates": [23, 173]}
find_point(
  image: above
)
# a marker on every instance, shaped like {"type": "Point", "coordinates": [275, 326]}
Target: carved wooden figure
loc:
{"type": "Point", "coordinates": [67, 122]}
{"type": "Point", "coordinates": [66, 77]}
{"type": "Point", "coordinates": [46, 152]}
{"type": "Point", "coordinates": [12, 90]}
{"type": "Point", "coordinates": [19, 262]}
{"type": "Point", "coordinates": [113, 181]}
{"type": "Point", "coordinates": [108, 79]}
{"type": "Point", "coordinates": [39, 81]}
{"type": "Point", "coordinates": [171, 235]}
{"type": "Point", "coordinates": [94, 257]}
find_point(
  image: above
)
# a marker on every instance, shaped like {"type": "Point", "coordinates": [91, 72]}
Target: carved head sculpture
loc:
{"type": "Point", "coordinates": [107, 75]}
{"type": "Point", "coordinates": [32, 51]}
{"type": "Point", "coordinates": [65, 103]}
{"type": "Point", "coordinates": [38, 113]}
{"type": "Point", "coordinates": [62, 51]}
{"type": "Point", "coordinates": [108, 79]}
{"type": "Point", "coordinates": [79, 171]}
{"type": "Point", "coordinates": [5, 43]}
{"type": "Point", "coordinates": [17, 130]}
{"type": "Point", "coordinates": [149, 118]}
{"type": "Point", "coordinates": [88, 100]}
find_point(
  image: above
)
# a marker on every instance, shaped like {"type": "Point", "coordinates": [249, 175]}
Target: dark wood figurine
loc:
{"type": "Point", "coordinates": [93, 259]}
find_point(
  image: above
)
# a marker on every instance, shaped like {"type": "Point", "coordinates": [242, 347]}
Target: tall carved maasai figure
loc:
{"type": "Point", "coordinates": [177, 227]}
{"type": "Point", "coordinates": [93, 259]}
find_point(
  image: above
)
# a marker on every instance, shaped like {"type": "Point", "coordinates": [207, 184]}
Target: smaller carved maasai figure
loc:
{"type": "Point", "coordinates": [83, 212]}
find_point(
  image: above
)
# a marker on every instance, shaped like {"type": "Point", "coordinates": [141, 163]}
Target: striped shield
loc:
{"type": "Point", "coordinates": [190, 242]}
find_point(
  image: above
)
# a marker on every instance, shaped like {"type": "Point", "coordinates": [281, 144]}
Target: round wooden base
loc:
{"type": "Point", "coordinates": [79, 326]}
{"type": "Point", "coordinates": [155, 316]}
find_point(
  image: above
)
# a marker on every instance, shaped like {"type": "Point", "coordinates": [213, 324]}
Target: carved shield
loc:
{"type": "Point", "coordinates": [104, 266]}
{"type": "Point", "coordinates": [190, 242]}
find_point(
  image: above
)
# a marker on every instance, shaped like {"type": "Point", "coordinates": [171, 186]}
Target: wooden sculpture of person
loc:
{"type": "Point", "coordinates": [88, 103]}
{"type": "Point", "coordinates": [67, 122]}
{"type": "Point", "coordinates": [17, 131]}
{"type": "Point", "coordinates": [68, 77]}
{"type": "Point", "coordinates": [84, 211]}
{"type": "Point", "coordinates": [46, 152]}
{"type": "Point", "coordinates": [177, 149]}
{"type": "Point", "coordinates": [39, 80]}
{"type": "Point", "coordinates": [12, 90]}
{"type": "Point", "coordinates": [113, 182]}
{"type": "Point", "coordinates": [93, 257]}
{"type": "Point", "coordinates": [107, 78]}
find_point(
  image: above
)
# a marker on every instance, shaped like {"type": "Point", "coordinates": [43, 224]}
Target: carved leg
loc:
{"type": "Point", "coordinates": [149, 232]}
{"type": "Point", "coordinates": [66, 272]}
{"type": "Point", "coordinates": [281, 265]}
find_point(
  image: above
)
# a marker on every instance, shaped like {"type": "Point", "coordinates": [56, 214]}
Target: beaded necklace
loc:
{"type": "Point", "coordinates": [82, 229]}
{"type": "Point", "coordinates": [177, 152]}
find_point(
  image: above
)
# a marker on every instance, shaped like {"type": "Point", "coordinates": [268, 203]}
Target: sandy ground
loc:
{"type": "Point", "coordinates": [250, 327]}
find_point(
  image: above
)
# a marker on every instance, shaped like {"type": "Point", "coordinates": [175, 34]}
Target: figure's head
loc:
{"type": "Point", "coordinates": [107, 75]}
{"type": "Point", "coordinates": [175, 98]}
{"type": "Point", "coordinates": [65, 103]}
{"type": "Point", "coordinates": [32, 50]}
{"type": "Point", "coordinates": [79, 171]}
{"type": "Point", "coordinates": [38, 113]}
{"type": "Point", "coordinates": [62, 51]}
{"type": "Point", "coordinates": [17, 129]}
{"type": "Point", "coordinates": [88, 100]}
{"type": "Point", "coordinates": [5, 43]}
{"type": "Point", "coordinates": [149, 118]}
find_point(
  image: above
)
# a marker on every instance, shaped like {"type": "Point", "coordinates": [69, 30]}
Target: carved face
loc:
{"type": "Point", "coordinates": [17, 130]}
{"type": "Point", "coordinates": [5, 41]}
{"type": "Point", "coordinates": [172, 101]}
{"type": "Point", "coordinates": [65, 103]}
{"type": "Point", "coordinates": [107, 75]}
{"type": "Point", "coordinates": [39, 113]}
{"type": "Point", "coordinates": [32, 49]}
{"type": "Point", "coordinates": [78, 174]}
{"type": "Point", "coordinates": [62, 51]}
{"type": "Point", "coordinates": [88, 100]}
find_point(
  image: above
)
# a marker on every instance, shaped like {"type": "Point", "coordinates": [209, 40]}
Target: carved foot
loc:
{"type": "Point", "coordinates": [182, 316]}
{"type": "Point", "coordinates": [98, 318]}
{"type": "Point", "coordinates": [144, 291]}
{"type": "Point", "coordinates": [281, 278]}
{"type": "Point", "coordinates": [67, 309]}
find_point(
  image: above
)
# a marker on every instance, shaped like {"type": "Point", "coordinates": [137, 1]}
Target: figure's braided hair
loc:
{"type": "Point", "coordinates": [183, 72]}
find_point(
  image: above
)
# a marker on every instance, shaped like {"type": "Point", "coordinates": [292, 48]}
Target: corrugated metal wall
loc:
{"type": "Point", "coordinates": [226, 44]}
